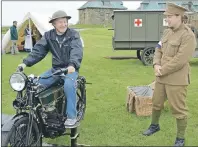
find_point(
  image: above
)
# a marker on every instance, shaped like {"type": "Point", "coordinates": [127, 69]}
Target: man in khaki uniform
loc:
{"type": "Point", "coordinates": [171, 66]}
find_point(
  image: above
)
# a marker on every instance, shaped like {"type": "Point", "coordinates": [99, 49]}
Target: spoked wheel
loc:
{"type": "Point", "coordinates": [81, 98]}
{"type": "Point", "coordinates": [148, 55]}
{"type": "Point", "coordinates": [17, 136]}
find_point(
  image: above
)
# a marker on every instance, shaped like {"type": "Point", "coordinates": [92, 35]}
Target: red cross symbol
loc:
{"type": "Point", "coordinates": [138, 22]}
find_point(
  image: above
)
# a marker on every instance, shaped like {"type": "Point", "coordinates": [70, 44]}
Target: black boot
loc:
{"type": "Point", "coordinates": [153, 128]}
{"type": "Point", "coordinates": [179, 142]}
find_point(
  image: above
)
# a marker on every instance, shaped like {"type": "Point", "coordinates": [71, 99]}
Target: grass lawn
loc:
{"type": "Point", "coordinates": [106, 120]}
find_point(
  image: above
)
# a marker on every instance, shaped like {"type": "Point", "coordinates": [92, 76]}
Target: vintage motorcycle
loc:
{"type": "Point", "coordinates": [40, 110]}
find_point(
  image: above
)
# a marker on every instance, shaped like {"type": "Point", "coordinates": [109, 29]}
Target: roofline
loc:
{"type": "Point", "coordinates": [139, 10]}
{"type": "Point", "coordinates": [149, 11]}
{"type": "Point", "coordinates": [102, 8]}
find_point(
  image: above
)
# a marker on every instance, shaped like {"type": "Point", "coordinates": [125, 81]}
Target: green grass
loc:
{"type": "Point", "coordinates": [106, 121]}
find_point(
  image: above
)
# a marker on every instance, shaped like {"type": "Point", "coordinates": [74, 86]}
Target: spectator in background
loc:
{"type": "Point", "coordinates": [14, 38]}
{"type": "Point", "coordinates": [28, 39]}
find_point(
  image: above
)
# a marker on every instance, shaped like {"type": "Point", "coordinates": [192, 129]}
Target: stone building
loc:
{"type": "Point", "coordinates": [99, 12]}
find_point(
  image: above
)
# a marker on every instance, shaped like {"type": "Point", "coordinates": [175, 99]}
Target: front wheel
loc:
{"type": "Point", "coordinates": [17, 136]}
{"type": "Point", "coordinates": [147, 56]}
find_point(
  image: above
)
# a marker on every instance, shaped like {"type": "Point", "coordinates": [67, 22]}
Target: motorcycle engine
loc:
{"type": "Point", "coordinates": [53, 120]}
{"type": "Point", "coordinates": [49, 107]}
{"type": "Point", "coordinates": [52, 101]}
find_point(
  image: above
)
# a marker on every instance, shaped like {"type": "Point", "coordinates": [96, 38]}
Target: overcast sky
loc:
{"type": "Point", "coordinates": [16, 10]}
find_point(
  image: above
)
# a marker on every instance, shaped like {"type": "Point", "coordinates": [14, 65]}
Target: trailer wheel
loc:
{"type": "Point", "coordinates": [139, 54]}
{"type": "Point", "coordinates": [147, 56]}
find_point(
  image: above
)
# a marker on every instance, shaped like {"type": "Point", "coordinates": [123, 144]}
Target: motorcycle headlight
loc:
{"type": "Point", "coordinates": [18, 81]}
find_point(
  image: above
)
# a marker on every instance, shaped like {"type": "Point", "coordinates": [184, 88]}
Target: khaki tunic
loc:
{"type": "Point", "coordinates": [174, 55]}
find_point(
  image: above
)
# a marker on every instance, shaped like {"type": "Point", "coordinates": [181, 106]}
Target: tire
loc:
{"type": "Point", "coordinates": [139, 54]}
{"type": "Point", "coordinates": [147, 56]}
{"type": "Point", "coordinates": [15, 137]}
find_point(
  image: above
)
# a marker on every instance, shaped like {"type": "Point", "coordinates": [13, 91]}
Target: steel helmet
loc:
{"type": "Point", "coordinates": [59, 14]}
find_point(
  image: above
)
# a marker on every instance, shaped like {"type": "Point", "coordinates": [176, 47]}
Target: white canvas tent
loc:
{"type": "Point", "coordinates": [41, 22]}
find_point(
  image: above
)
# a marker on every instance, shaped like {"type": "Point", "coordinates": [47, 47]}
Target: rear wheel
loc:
{"type": "Point", "coordinates": [139, 54]}
{"type": "Point", "coordinates": [17, 136]}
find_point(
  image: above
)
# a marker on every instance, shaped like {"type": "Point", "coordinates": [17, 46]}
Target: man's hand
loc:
{"type": "Point", "coordinates": [22, 66]}
{"type": "Point", "coordinates": [157, 70]}
{"type": "Point", "coordinates": [71, 69]}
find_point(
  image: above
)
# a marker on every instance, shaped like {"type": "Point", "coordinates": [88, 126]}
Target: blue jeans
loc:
{"type": "Point", "coordinates": [70, 86]}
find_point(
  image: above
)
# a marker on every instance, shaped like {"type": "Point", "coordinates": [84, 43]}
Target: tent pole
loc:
{"type": "Point", "coordinates": [30, 33]}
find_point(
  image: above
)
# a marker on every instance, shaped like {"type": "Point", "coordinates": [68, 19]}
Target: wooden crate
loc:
{"type": "Point", "coordinates": [139, 104]}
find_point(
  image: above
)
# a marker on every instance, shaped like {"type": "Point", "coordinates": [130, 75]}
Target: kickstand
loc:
{"type": "Point", "coordinates": [74, 135]}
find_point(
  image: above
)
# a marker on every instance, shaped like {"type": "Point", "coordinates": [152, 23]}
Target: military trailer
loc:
{"type": "Point", "coordinates": [139, 30]}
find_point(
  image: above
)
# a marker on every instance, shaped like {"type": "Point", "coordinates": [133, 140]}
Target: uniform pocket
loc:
{"type": "Point", "coordinates": [172, 48]}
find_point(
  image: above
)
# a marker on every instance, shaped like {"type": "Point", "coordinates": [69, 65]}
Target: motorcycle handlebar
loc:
{"type": "Point", "coordinates": [57, 72]}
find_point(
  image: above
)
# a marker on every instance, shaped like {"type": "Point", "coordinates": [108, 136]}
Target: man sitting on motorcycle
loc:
{"type": "Point", "coordinates": [67, 52]}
